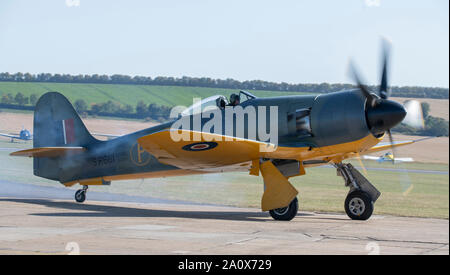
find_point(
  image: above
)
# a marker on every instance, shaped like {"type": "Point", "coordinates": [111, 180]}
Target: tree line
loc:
{"type": "Point", "coordinates": [141, 110]}
{"type": "Point", "coordinates": [404, 91]}
{"type": "Point", "coordinates": [109, 108]}
{"type": "Point", "coordinates": [433, 126]}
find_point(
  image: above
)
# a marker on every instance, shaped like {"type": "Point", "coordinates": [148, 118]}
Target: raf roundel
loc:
{"type": "Point", "coordinates": [201, 146]}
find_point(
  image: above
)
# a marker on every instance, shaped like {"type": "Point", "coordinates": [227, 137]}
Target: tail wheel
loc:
{"type": "Point", "coordinates": [80, 196]}
{"type": "Point", "coordinates": [358, 205]}
{"type": "Point", "coordinates": [286, 213]}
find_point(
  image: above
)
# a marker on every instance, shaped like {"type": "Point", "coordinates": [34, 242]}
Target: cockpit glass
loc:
{"type": "Point", "coordinates": [244, 96]}
{"type": "Point", "coordinates": [207, 104]}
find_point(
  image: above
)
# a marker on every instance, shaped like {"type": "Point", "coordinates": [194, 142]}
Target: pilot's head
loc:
{"type": "Point", "coordinates": [234, 99]}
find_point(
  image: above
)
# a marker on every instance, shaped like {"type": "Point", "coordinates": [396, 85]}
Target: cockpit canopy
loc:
{"type": "Point", "coordinates": [214, 102]}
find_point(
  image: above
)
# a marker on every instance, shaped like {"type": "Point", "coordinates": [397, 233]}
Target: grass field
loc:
{"type": "Point", "coordinates": [403, 194]}
{"type": "Point", "coordinates": [161, 95]}
{"type": "Point", "coordinates": [125, 94]}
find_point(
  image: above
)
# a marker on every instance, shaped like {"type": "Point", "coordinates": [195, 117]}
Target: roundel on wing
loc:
{"type": "Point", "coordinates": [200, 146]}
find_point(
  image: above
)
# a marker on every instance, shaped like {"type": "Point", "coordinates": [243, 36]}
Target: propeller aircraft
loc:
{"type": "Point", "coordinates": [389, 157]}
{"type": "Point", "coordinates": [312, 130]}
{"type": "Point", "coordinates": [23, 135]}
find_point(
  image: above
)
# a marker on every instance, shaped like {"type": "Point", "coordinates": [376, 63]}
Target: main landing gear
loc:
{"type": "Point", "coordinates": [360, 199]}
{"type": "Point", "coordinates": [80, 195]}
{"type": "Point", "coordinates": [286, 213]}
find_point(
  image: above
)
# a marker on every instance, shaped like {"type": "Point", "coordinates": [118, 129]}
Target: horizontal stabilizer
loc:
{"type": "Point", "coordinates": [48, 152]}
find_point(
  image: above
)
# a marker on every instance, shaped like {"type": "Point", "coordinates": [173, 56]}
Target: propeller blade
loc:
{"type": "Point", "coordinates": [363, 88]}
{"type": "Point", "coordinates": [391, 140]}
{"type": "Point", "coordinates": [414, 116]}
{"type": "Point", "coordinates": [383, 91]}
{"type": "Point", "coordinates": [361, 164]}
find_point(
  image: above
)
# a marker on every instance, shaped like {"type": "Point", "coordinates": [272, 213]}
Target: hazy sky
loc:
{"type": "Point", "coordinates": [293, 41]}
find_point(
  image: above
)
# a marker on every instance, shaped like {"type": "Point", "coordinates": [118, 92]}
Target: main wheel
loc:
{"type": "Point", "coordinates": [286, 213]}
{"type": "Point", "coordinates": [358, 205]}
{"type": "Point", "coordinates": [80, 196]}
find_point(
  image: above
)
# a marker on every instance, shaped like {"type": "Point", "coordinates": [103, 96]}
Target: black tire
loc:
{"type": "Point", "coordinates": [285, 213]}
{"type": "Point", "coordinates": [80, 196]}
{"type": "Point", "coordinates": [358, 206]}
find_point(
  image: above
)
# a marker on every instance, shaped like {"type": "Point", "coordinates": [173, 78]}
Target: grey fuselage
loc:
{"type": "Point", "coordinates": [303, 121]}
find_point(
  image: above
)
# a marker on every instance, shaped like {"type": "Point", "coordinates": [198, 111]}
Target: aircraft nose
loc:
{"type": "Point", "coordinates": [385, 115]}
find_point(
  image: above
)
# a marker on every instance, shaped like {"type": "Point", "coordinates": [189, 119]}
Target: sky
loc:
{"type": "Point", "coordinates": [294, 41]}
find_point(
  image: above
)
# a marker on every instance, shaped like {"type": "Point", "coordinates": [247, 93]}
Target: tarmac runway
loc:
{"type": "Point", "coordinates": [56, 225]}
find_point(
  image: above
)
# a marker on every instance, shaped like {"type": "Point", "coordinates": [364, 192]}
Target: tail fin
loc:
{"type": "Point", "coordinates": [56, 123]}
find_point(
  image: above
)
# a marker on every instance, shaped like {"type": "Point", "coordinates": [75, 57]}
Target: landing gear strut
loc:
{"type": "Point", "coordinates": [80, 195]}
{"type": "Point", "coordinates": [362, 195]}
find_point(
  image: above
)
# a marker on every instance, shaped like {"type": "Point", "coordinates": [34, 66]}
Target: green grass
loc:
{"type": "Point", "coordinates": [320, 189]}
{"type": "Point", "coordinates": [125, 94]}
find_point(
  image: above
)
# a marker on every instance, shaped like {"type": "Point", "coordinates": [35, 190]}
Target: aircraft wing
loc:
{"type": "Point", "coordinates": [371, 157]}
{"type": "Point", "coordinates": [9, 136]}
{"type": "Point", "coordinates": [403, 159]}
{"type": "Point", "coordinates": [207, 151]}
{"type": "Point", "coordinates": [387, 145]}
{"type": "Point", "coordinates": [382, 159]}
{"type": "Point", "coordinates": [210, 150]}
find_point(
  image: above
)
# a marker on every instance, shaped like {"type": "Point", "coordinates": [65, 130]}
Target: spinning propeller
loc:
{"type": "Point", "coordinates": [384, 114]}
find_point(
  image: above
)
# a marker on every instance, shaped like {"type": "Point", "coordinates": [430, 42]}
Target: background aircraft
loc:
{"type": "Point", "coordinates": [388, 157]}
{"type": "Point", "coordinates": [26, 135]}
{"type": "Point", "coordinates": [23, 135]}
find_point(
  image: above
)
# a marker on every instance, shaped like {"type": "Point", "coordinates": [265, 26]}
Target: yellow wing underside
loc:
{"type": "Point", "coordinates": [230, 151]}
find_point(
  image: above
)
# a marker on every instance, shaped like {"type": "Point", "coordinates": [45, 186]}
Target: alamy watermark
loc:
{"type": "Point", "coordinates": [373, 248]}
{"type": "Point", "coordinates": [73, 248]}
{"type": "Point", "coordinates": [72, 3]}
{"type": "Point", "coordinates": [209, 121]}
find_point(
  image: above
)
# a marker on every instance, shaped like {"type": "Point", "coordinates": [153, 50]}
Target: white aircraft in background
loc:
{"type": "Point", "coordinates": [388, 157]}
{"type": "Point", "coordinates": [26, 135]}
{"type": "Point", "coordinates": [23, 135]}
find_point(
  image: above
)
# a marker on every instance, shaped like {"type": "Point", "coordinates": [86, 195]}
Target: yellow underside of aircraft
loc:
{"type": "Point", "coordinates": [232, 151]}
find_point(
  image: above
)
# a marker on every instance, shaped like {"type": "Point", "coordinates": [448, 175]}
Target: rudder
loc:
{"type": "Point", "coordinates": [57, 124]}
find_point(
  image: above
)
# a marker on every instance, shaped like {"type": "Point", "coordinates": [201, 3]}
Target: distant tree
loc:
{"type": "Point", "coordinates": [28, 77]}
{"type": "Point", "coordinates": [435, 126]}
{"type": "Point", "coordinates": [81, 106]}
{"type": "Point", "coordinates": [111, 107]}
{"type": "Point", "coordinates": [18, 77]}
{"type": "Point", "coordinates": [96, 109]}
{"type": "Point", "coordinates": [11, 98]}
{"type": "Point", "coordinates": [7, 99]}
{"type": "Point", "coordinates": [33, 99]}
{"type": "Point", "coordinates": [141, 108]}
{"type": "Point", "coordinates": [128, 109]}
{"type": "Point", "coordinates": [20, 99]}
